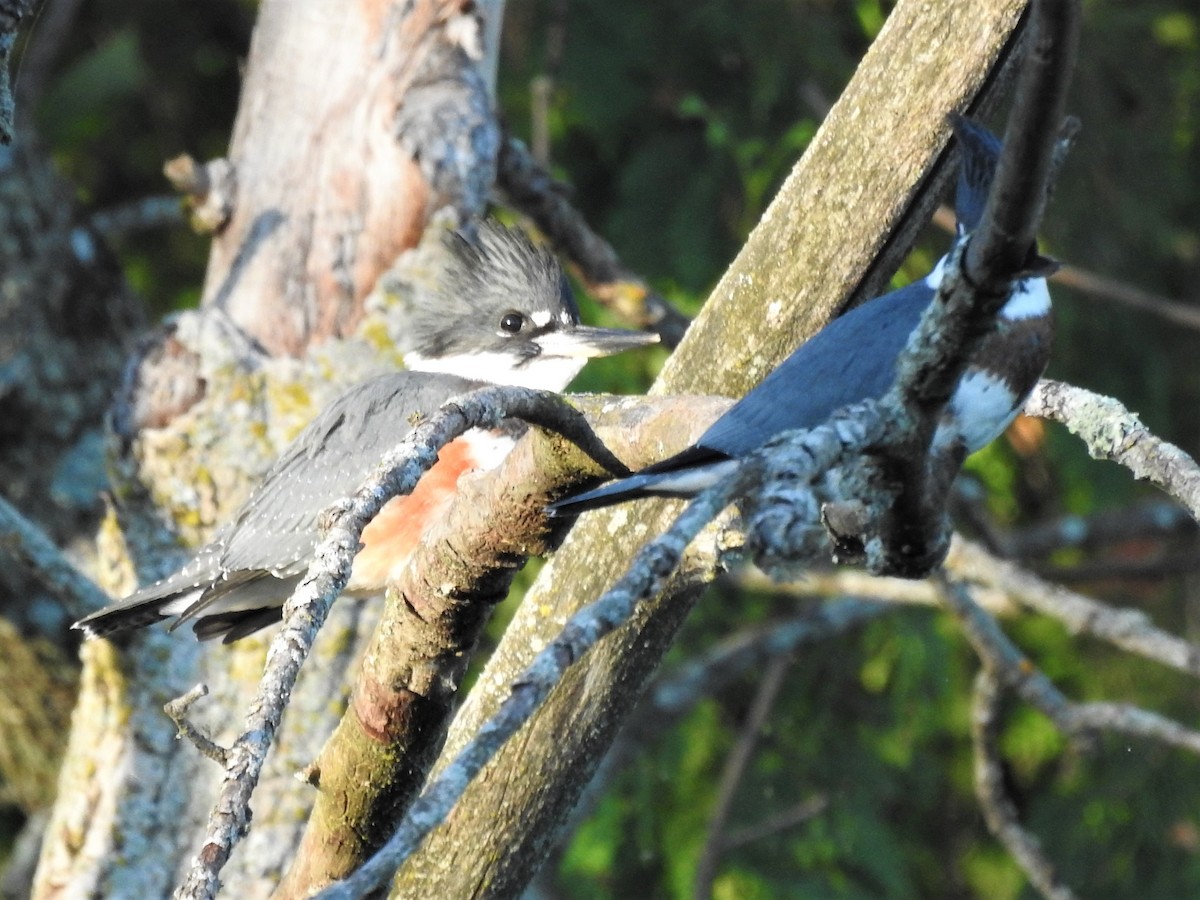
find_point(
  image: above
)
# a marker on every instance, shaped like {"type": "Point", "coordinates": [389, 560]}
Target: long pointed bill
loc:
{"type": "Point", "coordinates": [585, 342]}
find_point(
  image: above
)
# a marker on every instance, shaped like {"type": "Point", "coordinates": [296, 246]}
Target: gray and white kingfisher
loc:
{"type": "Point", "coordinates": [853, 358]}
{"type": "Point", "coordinates": [505, 314]}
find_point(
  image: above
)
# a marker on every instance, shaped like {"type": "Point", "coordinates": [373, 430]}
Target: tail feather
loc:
{"type": "Point", "coordinates": [980, 151]}
{"type": "Point", "coordinates": [684, 482]}
{"type": "Point", "coordinates": [137, 611]}
{"type": "Point", "coordinates": [179, 598]}
{"type": "Point", "coordinates": [606, 495]}
{"type": "Point", "coordinates": [233, 626]}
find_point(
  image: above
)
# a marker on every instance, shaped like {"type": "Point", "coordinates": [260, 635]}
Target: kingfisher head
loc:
{"type": "Point", "coordinates": [504, 313]}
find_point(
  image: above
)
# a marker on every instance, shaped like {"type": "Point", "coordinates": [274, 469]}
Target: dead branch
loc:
{"type": "Point", "coordinates": [1128, 629]}
{"type": "Point", "coordinates": [998, 809]}
{"type": "Point", "coordinates": [32, 547]}
{"type": "Point", "coordinates": [1018, 673]}
{"type": "Point", "coordinates": [732, 774]}
{"type": "Point", "coordinates": [1112, 432]}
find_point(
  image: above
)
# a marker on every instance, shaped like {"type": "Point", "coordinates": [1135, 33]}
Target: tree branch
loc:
{"type": "Point", "coordinates": [31, 546]}
{"type": "Point", "coordinates": [377, 760]}
{"type": "Point", "coordinates": [177, 712]}
{"type": "Point", "coordinates": [1128, 629]}
{"type": "Point", "coordinates": [674, 694]}
{"type": "Point", "coordinates": [733, 772]}
{"type": "Point", "coordinates": [1013, 213]}
{"type": "Point", "coordinates": [865, 183]}
{"type": "Point", "coordinates": [644, 579]}
{"type": "Point", "coordinates": [998, 809]}
{"type": "Point", "coordinates": [1112, 432]}
{"type": "Point", "coordinates": [814, 451]}
{"type": "Point", "coordinates": [1017, 672]}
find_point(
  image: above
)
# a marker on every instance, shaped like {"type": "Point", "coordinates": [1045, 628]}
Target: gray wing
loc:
{"type": "Point", "coordinates": [276, 528]}
{"type": "Point", "coordinates": [853, 358]}
{"type": "Point", "coordinates": [273, 534]}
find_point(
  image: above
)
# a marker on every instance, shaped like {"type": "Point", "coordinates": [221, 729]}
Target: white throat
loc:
{"type": "Point", "coordinates": [1030, 297]}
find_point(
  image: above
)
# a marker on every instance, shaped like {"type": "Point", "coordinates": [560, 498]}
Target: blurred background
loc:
{"type": "Point", "coordinates": [674, 122]}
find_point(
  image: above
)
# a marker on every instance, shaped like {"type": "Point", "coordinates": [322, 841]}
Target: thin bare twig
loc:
{"type": "Point", "coordinates": [797, 814]}
{"type": "Point", "coordinates": [1153, 519]}
{"type": "Point", "coordinates": [1152, 567]}
{"type": "Point", "coordinates": [138, 215]}
{"type": "Point", "coordinates": [1127, 295]}
{"type": "Point", "coordinates": [1129, 629]}
{"type": "Point", "coordinates": [998, 809]}
{"type": "Point", "coordinates": [1017, 672]}
{"type": "Point", "coordinates": [177, 711]}
{"type": "Point", "coordinates": [733, 772]}
{"type": "Point", "coordinates": [675, 694]}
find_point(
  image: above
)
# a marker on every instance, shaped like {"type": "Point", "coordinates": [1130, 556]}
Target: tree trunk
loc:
{"type": "Point", "coordinates": [327, 196]}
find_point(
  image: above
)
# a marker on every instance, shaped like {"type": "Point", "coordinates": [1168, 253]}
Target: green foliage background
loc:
{"type": "Point", "coordinates": [675, 122]}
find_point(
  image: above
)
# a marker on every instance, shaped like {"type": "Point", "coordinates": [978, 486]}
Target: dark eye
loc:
{"type": "Point", "coordinates": [512, 323]}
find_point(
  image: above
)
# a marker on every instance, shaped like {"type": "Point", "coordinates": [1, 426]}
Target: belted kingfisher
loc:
{"type": "Point", "coordinates": [504, 314]}
{"type": "Point", "coordinates": [854, 358]}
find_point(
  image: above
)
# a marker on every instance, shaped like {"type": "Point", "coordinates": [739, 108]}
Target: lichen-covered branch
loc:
{"type": "Point", "coordinates": [408, 681]}
{"type": "Point", "coordinates": [1110, 431]}
{"type": "Point", "coordinates": [864, 184]}
{"type": "Point", "coordinates": [654, 563]}
{"type": "Point", "coordinates": [812, 452]}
